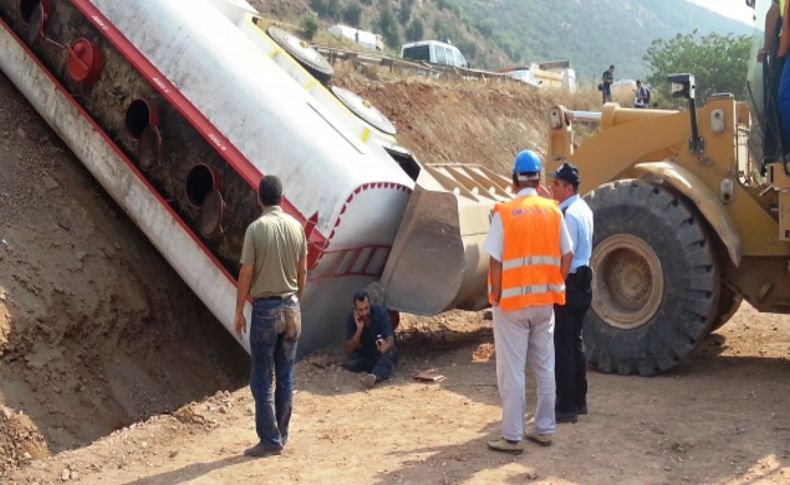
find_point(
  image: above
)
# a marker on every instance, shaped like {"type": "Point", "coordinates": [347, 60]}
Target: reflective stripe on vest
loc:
{"type": "Point", "coordinates": [531, 290]}
{"type": "Point", "coordinates": [530, 261]}
{"type": "Point", "coordinates": [531, 257]}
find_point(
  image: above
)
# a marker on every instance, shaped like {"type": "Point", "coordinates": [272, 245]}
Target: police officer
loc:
{"type": "Point", "coordinates": [530, 254]}
{"type": "Point", "coordinates": [570, 369]}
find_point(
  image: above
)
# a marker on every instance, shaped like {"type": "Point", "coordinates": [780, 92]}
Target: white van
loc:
{"type": "Point", "coordinates": [363, 38]}
{"type": "Point", "coordinates": [434, 52]}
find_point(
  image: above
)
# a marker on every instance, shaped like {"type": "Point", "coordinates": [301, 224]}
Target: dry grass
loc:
{"type": "Point", "coordinates": [582, 99]}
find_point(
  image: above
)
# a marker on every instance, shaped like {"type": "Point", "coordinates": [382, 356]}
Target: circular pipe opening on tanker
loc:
{"type": "Point", "coordinates": [34, 14]}
{"type": "Point", "coordinates": [27, 8]}
{"type": "Point", "coordinates": [139, 115]}
{"type": "Point", "coordinates": [211, 215]}
{"type": "Point", "coordinates": [201, 181]}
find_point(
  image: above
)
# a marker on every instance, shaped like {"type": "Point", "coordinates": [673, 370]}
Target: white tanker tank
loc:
{"type": "Point", "coordinates": [179, 107]}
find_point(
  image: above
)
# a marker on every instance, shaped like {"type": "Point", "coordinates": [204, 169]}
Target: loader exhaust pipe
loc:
{"type": "Point", "coordinates": [586, 116]}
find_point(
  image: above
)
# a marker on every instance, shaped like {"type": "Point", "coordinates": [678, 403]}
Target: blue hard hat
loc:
{"type": "Point", "coordinates": [527, 161]}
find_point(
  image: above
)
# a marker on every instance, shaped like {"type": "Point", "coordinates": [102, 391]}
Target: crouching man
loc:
{"type": "Point", "coordinates": [370, 341]}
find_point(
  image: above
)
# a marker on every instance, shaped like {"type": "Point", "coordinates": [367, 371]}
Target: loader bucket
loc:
{"type": "Point", "coordinates": [437, 261]}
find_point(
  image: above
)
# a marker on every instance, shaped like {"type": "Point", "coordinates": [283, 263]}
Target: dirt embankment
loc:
{"type": "Point", "coordinates": [486, 124]}
{"type": "Point", "coordinates": [96, 330]}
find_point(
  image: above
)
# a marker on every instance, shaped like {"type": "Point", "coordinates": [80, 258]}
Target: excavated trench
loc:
{"type": "Point", "coordinates": [96, 330]}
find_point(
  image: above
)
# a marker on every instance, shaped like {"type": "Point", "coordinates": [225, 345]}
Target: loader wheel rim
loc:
{"type": "Point", "coordinates": [629, 281]}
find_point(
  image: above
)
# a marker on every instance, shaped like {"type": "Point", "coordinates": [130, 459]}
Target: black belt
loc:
{"type": "Point", "coordinates": [272, 298]}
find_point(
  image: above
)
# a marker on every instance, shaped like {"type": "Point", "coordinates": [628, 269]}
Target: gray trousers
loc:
{"type": "Point", "coordinates": [525, 337]}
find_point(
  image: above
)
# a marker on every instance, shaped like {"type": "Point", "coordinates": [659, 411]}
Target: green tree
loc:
{"type": "Point", "coordinates": [444, 30]}
{"type": "Point", "coordinates": [388, 26]}
{"type": "Point", "coordinates": [404, 14]}
{"type": "Point", "coordinates": [333, 9]}
{"type": "Point", "coordinates": [467, 47]}
{"type": "Point", "coordinates": [308, 26]}
{"type": "Point", "coordinates": [319, 7]}
{"type": "Point", "coordinates": [718, 62]}
{"type": "Point", "coordinates": [415, 31]}
{"type": "Point", "coordinates": [352, 13]}
{"type": "Point", "coordinates": [326, 8]}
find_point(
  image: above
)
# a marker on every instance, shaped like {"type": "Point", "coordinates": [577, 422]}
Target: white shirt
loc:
{"type": "Point", "coordinates": [494, 244]}
{"type": "Point", "coordinates": [579, 220]}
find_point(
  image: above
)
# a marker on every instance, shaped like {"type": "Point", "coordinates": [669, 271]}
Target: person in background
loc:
{"type": "Point", "coordinates": [641, 96]}
{"type": "Point", "coordinates": [607, 78]}
{"type": "Point", "coordinates": [530, 253]}
{"type": "Point", "coordinates": [273, 272]}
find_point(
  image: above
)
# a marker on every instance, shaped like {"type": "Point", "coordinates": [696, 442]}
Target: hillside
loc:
{"type": "Point", "coordinates": [591, 34]}
{"type": "Point", "coordinates": [497, 33]}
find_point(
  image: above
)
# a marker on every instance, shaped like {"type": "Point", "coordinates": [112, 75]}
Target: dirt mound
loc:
{"type": "Point", "coordinates": [20, 440]}
{"type": "Point", "coordinates": [464, 122]}
{"type": "Point", "coordinates": [96, 330]}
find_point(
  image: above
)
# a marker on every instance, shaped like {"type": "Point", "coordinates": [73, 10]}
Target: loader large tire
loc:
{"type": "Point", "coordinates": [656, 283]}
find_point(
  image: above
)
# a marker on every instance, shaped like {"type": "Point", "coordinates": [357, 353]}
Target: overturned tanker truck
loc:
{"type": "Point", "coordinates": [179, 107]}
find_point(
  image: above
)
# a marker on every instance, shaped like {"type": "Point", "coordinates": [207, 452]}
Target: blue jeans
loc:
{"type": "Point", "coordinates": [783, 102]}
{"type": "Point", "coordinates": [381, 365]}
{"type": "Point", "coordinates": [273, 354]}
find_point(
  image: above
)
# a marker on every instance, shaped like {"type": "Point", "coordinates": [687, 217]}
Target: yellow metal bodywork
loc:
{"type": "Point", "coordinates": [780, 179]}
{"type": "Point", "coordinates": [629, 137]}
{"type": "Point", "coordinates": [743, 205]}
{"type": "Point", "coordinates": [437, 261]}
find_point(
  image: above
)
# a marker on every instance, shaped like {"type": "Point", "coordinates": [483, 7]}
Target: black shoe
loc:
{"type": "Point", "coordinates": [565, 417]}
{"type": "Point", "coordinates": [582, 410]}
{"type": "Point", "coordinates": [260, 450]}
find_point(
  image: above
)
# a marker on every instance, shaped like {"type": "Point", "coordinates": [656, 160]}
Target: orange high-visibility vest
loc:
{"type": "Point", "coordinates": [531, 256]}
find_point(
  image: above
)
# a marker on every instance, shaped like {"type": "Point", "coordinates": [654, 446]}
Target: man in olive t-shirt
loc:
{"type": "Point", "coordinates": [273, 272]}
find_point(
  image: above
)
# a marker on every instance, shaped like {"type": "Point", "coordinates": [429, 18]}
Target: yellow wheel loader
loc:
{"type": "Point", "coordinates": [692, 215]}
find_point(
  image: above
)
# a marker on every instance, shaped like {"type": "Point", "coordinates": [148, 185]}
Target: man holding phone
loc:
{"type": "Point", "coordinates": [370, 341]}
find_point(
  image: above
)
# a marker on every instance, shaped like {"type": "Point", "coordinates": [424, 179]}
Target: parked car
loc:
{"type": "Point", "coordinates": [435, 52]}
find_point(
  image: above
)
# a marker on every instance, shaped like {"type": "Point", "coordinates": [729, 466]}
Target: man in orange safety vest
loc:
{"type": "Point", "coordinates": [530, 254]}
